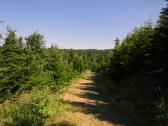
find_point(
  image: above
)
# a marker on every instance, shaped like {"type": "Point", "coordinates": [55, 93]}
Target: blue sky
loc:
{"type": "Point", "coordinates": [78, 23]}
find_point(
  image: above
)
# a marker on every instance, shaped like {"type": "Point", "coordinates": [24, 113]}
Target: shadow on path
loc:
{"type": "Point", "coordinates": [92, 103]}
{"type": "Point", "coordinates": [119, 110]}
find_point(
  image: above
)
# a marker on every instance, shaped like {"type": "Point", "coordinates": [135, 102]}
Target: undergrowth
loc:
{"type": "Point", "coordinates": [34, 111]}
{"type": "Point", "coordinates": [41, 106]}
{"type": "Point", "coordinates": [135, 104]}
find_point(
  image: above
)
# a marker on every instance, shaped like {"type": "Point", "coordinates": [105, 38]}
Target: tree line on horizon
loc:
{"type": "Point", "coordinates": [27, 63]}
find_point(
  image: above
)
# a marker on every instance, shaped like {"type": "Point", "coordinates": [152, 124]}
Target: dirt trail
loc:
{"type": "Point", "coordinates": [91, 110]}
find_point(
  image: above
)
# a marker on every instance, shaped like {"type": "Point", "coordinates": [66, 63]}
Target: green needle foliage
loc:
{"type": "Point", "coordinates": [139, 65]}
{"type": "Point", "coordinates": [26, 63]}
{"type": "Point", "coordinates": [137, 69]}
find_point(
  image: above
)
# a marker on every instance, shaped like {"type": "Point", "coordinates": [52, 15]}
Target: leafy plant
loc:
{"type": "Point", "coordinates": [33, 113]}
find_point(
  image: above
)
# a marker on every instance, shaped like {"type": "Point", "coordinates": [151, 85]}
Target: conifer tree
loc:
{"type": "Point", "coordinates": [12, 65]}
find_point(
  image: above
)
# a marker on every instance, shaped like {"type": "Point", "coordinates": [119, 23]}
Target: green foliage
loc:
{"type": "Point", "coordinates": [58, 70]}
{"type": "Point", "coordinates": [161, 40]}
{"type": "Point", "coordinates": [12, 68]}
{"type": "Point", "coordinates": [92, 59]}
{"type": "Point", "coordinates": [35, 41]}
{"type": "Point", "coordinates": [133, 54]}
{"type": "Point", "coordinates": [139, 62]}
{"type": "Point", "coordinates": [11, 39]}
{"type": "Point", "coordinates": [162, 111]}
{"type": "Point", "coordinates": [38, 76]}
{"type": "Point", "coordinates": [142, 54]}
{"type": "Point", "coordinates": [33, 112]}
{"type": "Point", "coordinates": [30, 64]}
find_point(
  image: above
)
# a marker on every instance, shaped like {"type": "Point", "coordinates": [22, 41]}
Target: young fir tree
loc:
{"type": "Point", "coordinates": [12, 67]}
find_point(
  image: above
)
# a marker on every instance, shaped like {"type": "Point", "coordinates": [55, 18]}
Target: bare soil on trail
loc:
{"type": "Point", "coordinates": [90, 108]}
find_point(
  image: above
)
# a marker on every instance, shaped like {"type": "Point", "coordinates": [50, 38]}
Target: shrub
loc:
{"type": "Point", "coordinates": [33, 112]}
{"type": "Point", "coordinates": [162, 111]}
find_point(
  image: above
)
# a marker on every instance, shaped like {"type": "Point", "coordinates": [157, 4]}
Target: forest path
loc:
{"type": "Point", "coordinates": [90, 109]}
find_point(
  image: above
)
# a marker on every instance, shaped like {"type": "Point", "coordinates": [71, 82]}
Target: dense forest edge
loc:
{"type": "Point", "coordinates": [134, 75]}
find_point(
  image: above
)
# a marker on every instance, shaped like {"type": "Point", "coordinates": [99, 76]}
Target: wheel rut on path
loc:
{"type": "Point", "coordinates": [91, 110]}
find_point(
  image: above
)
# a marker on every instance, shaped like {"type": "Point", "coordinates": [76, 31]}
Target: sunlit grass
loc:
{"type": "Point", "coordinates": [57, 112]}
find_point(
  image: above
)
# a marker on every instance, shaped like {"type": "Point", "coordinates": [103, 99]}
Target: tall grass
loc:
{"type": "Point", "coordinates": [41, 106]}
{"type": "Point", "coordinates": [36, 108]}
{"type": "Point", "coordinates": [161, 111]}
